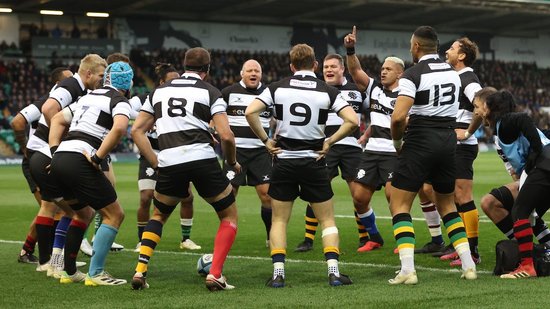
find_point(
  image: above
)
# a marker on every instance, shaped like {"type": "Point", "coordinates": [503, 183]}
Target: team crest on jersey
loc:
{"type": "Point", "coordinates": [149, 171]}
{"type": "Point", "coordinates": [360, 173]}
{"type": "Point", "coordinates": [230, 175]}
{"type": "Point", "coordinates": [392, 103]}
{"type": "Point", "coordinates": [352, 95]}
{"type": "Point", "coordinates": [303, 83]}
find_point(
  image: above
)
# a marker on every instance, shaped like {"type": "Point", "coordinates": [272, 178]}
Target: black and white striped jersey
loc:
{"type": "Point", "coordinates": [382, 102]}
{"type": "Point", "coordinates": [137, 103]}
{"type": "Point", "coordinates": [68, 91]}
{"type": "Point", "coordinates": [183, 109]}
{"type": "Point", "coordinates": [238, 97]}
{"type": "Point", "coordinates": [470, 85]}
{"type": "Point", "coordinates": [65, 92]}
{"type": "Point", "coordinates": [435, 88]}
{"type": "Point", "coordinates": [301, 104]}
{"type": "Point", "coordinates": [93, 119]}
{"type": "Point", "coordinates": [357, 100]}
{"type": "Point", "coordinates": [32, 113]}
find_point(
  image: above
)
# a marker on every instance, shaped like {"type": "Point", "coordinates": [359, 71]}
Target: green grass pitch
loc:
{"type": "Point", "coordinates": [175, 282]}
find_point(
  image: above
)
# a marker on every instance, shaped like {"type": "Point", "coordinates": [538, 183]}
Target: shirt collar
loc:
{"type": "Point", "coordinates": [191, 75]}
{"type": "Point", "coordinates": [79, 80]}
{"type": "Point", "coordinates": [466, 69]}
{"type": "Point", "coordinates": [345, 81]}
{"type": "Point", "coordinates": [429, 56]}
{"type": "Point", "coordinates": [244, 86]}
{"type": "Point", "coordinates": [305, 73]}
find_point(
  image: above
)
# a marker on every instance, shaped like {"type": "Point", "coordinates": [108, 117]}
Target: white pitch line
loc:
{"type": "Point", "coordinates": [259, 258]}
{"type": "Point", "coordinates": [11, 242]}
{"type": "Point", "coordinates": [414, 219]}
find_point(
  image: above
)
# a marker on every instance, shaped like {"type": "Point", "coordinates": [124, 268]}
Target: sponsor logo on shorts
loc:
{"type": "Point", "coordinates": [230, 175]}
{"type": "Point", "coordinates": [149, 171]}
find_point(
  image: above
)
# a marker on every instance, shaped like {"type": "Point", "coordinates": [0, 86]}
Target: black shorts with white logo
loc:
{"type": "Point", "coordinates": [428, 154]}
{"type": "Point", "coordinates": [146, 171]}
{"type": "Point", "coordinates": [78, 178]}
{"type": "Point", "coordinates": [49, 188]}
{"type": "Point", "coordinates": [375, 169]}
{"type": "Point", "coordinates": [147, 176]}
{"type": "Point", "coordinates": [255, 167]}
{"type": "Point", "coordinates": [346, 157]}
{"type": "Point", "coordinates": [305, 177]}
{"type": "Point", "coordinates": [25, 166]}
{"type": "Point", "coordinates": [465, 156]}
{"type": "Point", "coordinates": [206, 176]}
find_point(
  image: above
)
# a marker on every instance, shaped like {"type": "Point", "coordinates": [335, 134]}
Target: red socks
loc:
{"type": "Point", "coordinates": [222, 244]}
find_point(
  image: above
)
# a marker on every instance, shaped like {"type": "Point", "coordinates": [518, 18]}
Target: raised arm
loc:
{"type": "Point", "coordinates": [360, 77]}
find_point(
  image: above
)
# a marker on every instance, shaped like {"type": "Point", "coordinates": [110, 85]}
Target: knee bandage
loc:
{"type": "Point", "coordinates": [329, 231]}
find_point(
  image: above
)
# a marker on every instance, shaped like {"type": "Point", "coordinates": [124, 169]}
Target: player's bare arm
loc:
{"type": "Point", "coordinates": [472, 128]}
{"type": "Point", "coordinates": [49, 109]}
{"type": "Point", "coordinates": [399, 119]}
{"type": "Point", "coordinates": [59, 124]}
{"type": "Point", "coordinates": [227, 139]}
{"type": "Point", "coordinates": [252, 115]}
{"type": "Point", "coordinates": [120, 125]}
{"type": "Point", "coordinates": [18, 124]}
{"type": "Point", "coordinates": [144, 122]}
{"type": "Point", "coordinates": [350, 124]}
{"type": "Point", "coordinates": [360, 77]}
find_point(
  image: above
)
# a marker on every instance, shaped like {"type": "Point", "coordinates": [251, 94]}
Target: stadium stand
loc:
{"type": "Point", "coordinates": [22, 81]}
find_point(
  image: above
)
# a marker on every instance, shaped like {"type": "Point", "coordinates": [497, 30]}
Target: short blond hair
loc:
{"type": "Point", "coordinates": [396, 60]}
{"type": "Point", "coordinates": [302, 56]}
{"type": "Point", "coordinates": [92, 62]}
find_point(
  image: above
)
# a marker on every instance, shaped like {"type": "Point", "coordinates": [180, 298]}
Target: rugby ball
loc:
{"type": "Point", "coordinates": [203, 264]}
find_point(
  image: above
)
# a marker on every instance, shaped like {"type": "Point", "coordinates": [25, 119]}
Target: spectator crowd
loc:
{"type": "Point", "coordinates": [22, 81]}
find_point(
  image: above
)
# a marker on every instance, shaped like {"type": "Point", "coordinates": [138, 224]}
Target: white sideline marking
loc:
{"type": "Point", "coordinates": [11, 242]}
{"type": "Point", "coordinates": [414, 219]}
{"type": "Point", "coordinates": [259, 258]}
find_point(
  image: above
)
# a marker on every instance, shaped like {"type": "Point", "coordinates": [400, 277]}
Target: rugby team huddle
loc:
{"type": "Point", "coordinates": [287, 139]}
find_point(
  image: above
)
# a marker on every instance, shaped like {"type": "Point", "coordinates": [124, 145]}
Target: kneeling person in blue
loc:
{"type": "Point", "coordinates": [527, 150]}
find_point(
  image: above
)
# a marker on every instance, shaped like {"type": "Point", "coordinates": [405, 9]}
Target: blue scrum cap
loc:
{"type": "Point", "coordinates": [119, 75]}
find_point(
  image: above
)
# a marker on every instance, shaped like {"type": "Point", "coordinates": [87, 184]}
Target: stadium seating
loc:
{"type": "Point", "coordinates": [9, 146]}
{"type": "Point", "coordinates": [21, 81]}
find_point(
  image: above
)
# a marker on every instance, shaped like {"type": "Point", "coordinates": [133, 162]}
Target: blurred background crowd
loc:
{"type": "Point", "coordinates": [22, 81]}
